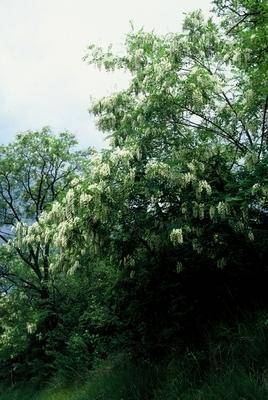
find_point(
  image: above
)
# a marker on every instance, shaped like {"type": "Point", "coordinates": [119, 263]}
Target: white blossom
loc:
{"type": "Point", "coordinates": [203, 186]}
{"type": "Point", "coordinates": [223, 209]}
{"type": "Point", "coordinates": [104, 170]}
{"type": "Point", "coordinates": [157, 168]}
{"type": "Point", "coordinates": [85, 199]}
{"type": "Point", "coordinates": [176, 236]}
{"type": "Point", "coordinates": [31, 327]}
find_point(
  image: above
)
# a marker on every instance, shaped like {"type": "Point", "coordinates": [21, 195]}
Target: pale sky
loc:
{"type": "Point", "coordinates": [43, 80]}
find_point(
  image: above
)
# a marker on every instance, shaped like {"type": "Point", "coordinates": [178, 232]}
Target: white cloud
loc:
{"type": "Point", "coordinates": [43, 80]}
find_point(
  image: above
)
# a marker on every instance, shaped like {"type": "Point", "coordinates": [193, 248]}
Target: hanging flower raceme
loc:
{"type": "Point", "coordinates": [176, 236]}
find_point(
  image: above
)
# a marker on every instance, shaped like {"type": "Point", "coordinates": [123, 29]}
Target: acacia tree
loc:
{"type": "Point", "coordinates": [184, 183]}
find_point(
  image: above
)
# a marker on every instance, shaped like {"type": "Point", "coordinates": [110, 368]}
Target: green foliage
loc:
{"type": "Point", "coordinates": [140, 248]}
{"type": "Point", "coordinates": [232, 364]}
{"type": "Point", "coordinates": [36, 169]}
{"type": "Point", "coordinates": [177, 204]}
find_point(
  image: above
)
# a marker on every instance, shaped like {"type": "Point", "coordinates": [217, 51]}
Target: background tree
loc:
{"type": "Point", "coordinates": [36, 170]}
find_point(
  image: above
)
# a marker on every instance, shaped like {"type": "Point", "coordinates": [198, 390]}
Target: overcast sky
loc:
{"type": "Point", "coordinates": [43, 80]}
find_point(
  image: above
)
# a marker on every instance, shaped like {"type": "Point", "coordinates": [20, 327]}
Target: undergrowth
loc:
{"type": "Point", "coordinates": [232, 365]}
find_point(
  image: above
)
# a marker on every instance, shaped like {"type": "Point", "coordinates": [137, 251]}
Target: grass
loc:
{"type": "Point", "coordinates": [233, 365]}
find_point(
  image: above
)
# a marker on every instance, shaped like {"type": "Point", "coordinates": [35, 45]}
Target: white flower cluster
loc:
{"type": "Point", "coordinates": [7, 335]}
{"type": "Point", "coordinates": [223, 209]}
{"type": "Point", "coordinates": [162, 68]}
{"type": "Point", "coordinates": [75, 182]}
{"type": "Point", "coordinates": [176, 236]}
{"type": "Point", "coordinates": [191, 166]}
{"type": "Point", "coordinates": [121, 155]}
{"type": "Point", "coordinates": [38, 232]}
{"type": "Point", "coordinates": [62, 234]}
{"type": "Point", "coordinates": [129, 177]}
{"type": "Point", "coordinates": [187, 178]}
{"type": "Point", "coordinates": [96, 159]}
{"type": "Point", "coordinates": [108, 102]}
{"type": "Point", "coordinates": [107, 121]}
{"type": "Point", "coordinates": [104, 170]}
{"type": "Point", "coordinates": [203, 186]}
{"type": "Point", "coordinates": [100, 168]}
{"type": "Point", "coordinates": [201, 210]}
{"type": "Point", "coordinates": [157, 169]}
{"type": "Point", "coordinates": [25, 234]}
{"type": "Point", "coordinates": [85, 199]}
{"type": "Point", "coordinates": [139, 56]}
{"type": "Point", "coordinates": [31, 327]}
{"type": "Point", "coordinates": [94, 188]}
{"type": "Point", "coordinates": [56, 210]}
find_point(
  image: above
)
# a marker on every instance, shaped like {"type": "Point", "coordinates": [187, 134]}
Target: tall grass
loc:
{"type": "Point", "coordinates": [233, 365]}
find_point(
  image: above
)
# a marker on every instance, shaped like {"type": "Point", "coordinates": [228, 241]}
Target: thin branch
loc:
{"type": "Point", "coordinates": [236, 114]}
{"type": "Point", "coordinates": [15, 278]}
{"type": "Point", "coordinates": [237, 24]}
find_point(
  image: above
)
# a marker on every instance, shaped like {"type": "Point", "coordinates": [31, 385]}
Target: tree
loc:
{"type": "Point", "coordinates": [36, 170]}
{"type": "Point", "coordinates": [180, 196]}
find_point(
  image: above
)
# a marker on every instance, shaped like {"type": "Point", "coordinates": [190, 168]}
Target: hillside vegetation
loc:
{"type": "Point", "coordinates": [140, 271]}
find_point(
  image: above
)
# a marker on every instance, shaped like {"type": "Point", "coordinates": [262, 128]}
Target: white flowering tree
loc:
{"type": "Point", "coordinates": [184, 182]}
{"type": "Point", "coordinates": [191, 123]}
